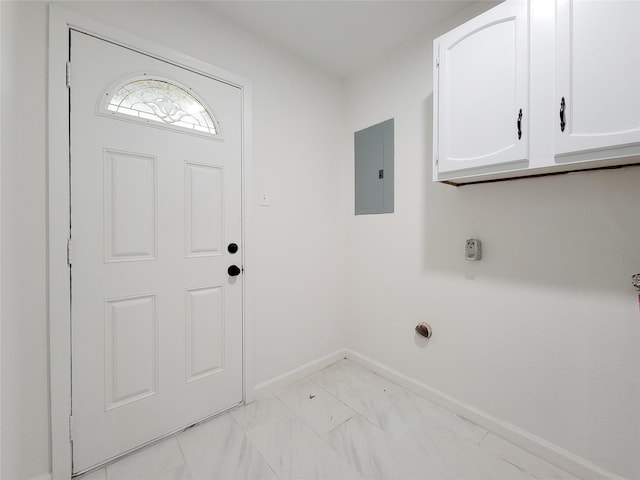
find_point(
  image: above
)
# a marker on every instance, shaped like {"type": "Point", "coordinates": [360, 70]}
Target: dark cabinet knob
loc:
{"type": "Point", "coordinates": [234, 271]}
{"type": "Point", "coordinates": [232, 248]}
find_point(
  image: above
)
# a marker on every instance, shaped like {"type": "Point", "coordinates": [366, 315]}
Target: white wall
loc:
{"type": "Point", "coordinates": [25, 408]}
{"type": "Point", "coordinates": [543, 333]}
{"type": "Point", "coordinates": [299, 246]}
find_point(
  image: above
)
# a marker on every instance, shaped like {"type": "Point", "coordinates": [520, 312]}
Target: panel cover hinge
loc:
{"type": "Point", "coordinates": [69, 251]}
{"type": "Point", "coordinates": [71, 428]}
{"type": "Point", "coordinates": [68, 74]}
{"type": "Point", "coordinates": [437, 62]}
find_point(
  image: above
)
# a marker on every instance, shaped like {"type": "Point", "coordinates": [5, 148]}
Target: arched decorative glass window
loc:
{"type": "Point", "coordinates": [160, 100]}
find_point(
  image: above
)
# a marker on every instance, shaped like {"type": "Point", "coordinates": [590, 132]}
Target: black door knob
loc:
{"type": "Point", "coordinates": [234, 270]}
{"type": "Point", "coordinates": [232, 248]}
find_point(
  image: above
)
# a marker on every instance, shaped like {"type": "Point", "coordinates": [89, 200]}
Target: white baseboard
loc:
{"type": "Point", "coordinates": [299, 373]}
{"type": "Point", "coordinates": [564, 459]}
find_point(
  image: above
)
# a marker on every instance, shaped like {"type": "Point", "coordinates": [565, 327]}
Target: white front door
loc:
{"type": "Point", "coordinates": [155, 206]}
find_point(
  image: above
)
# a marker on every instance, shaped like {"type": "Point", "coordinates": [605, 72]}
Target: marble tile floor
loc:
{"type": "Point", "coordinates": [341, 423]}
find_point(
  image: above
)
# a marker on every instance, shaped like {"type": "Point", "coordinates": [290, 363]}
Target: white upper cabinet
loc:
{"type": "Point", "coordinates": [481, 71]}
{"type": "Point", "coordinates": [571, 66]}
{"type": "Point", "coordinates": [597, 76]}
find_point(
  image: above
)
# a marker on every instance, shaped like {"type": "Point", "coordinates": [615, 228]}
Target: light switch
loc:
{"type": "Point", "coordinates": [265, 200]}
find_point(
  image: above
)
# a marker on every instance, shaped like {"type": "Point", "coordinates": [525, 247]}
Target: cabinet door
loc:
{"type": "Point", "coordinates": [598, 76]}
{"type": "Point", "coordinates": [481, 85]}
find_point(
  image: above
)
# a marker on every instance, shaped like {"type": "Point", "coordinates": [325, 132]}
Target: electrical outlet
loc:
{"type": "Point", "coordinates": [473, 250]}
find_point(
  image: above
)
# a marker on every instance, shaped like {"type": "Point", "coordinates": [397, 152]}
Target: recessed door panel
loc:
{"type": "Point", "coordinates": [483, 108]}
{"type": "Point", "coordinates": [131, 349]}
{"type": "Point", "coordinates": [204, 224]}
{"type": "Point", "coordinates": [130, 206]}
{"type": "Point", "coordinates": [205, 331]}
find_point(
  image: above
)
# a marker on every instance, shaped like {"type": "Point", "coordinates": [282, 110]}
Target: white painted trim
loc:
{"type": "Point", "coordinates": [60, 20]}
{"type": "Point", "coordinates": [248, 232]}
{"type": "Point", "coordinates": [58, 219]}
{"type": "Point", "coordinates": [546, 450]}
{"type": "Point", "coordinates": [299, 373]}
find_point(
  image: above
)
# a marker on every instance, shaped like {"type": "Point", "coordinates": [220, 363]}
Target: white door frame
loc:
{"type": "Point", "coordinates": [61, 21]}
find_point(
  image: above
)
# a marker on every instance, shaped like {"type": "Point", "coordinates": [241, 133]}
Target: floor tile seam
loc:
{"type": "Point", "coordinates": [257, 448]}
{"type": "Point", "coordinates": [325, 389]}
{"type": "Point", "coordinates": [318, 384]}
{"type": "Point", "coordinates": [391, 444]}
{"type": "Point", "coordinates": [362, 391]}
{"type": "Point", "coordinates": [368, 420]}
{"type": "Point", "coordinates": [302, 419]}
{"type": "Point", "coordinates": [383, 385]}
{"type": "Point", "coordinates": [246, 437]}
{"type": "Point", "coordinates": [233, 419]}
{"type": "Point", "coordinates": [184, 457]}
{"type": "Point", "coordinates": [452, 436]}
{"type": "Point", "coordinates": [267, 464]}
{"type": "Point", "coordinates": [303, 406]}
{"type": "Point", "coordinates": [290, 444]}
{"type": "Point", "coordinates": [251, 426]}
{"type": "Point", "coordinates": [484, 437]}
{"type": "Point", "coordinates": [336, 397]}
{"type": "Point", "coordinates": [133, 455]}
{"type": "Point", "coordinates": [290, 415]}
{"type": "Point", "coordinates": [325, 440]}
{"type": "Point", "coordinates": [389, 439]}
{"type": "Point", "coordinates": [350, 406]}
{"type": "Point", "coordinates": [321, 437]}
{"type": "Point", "coordinates": [390, 407]}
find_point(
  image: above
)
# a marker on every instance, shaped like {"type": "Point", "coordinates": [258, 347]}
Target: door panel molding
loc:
{"type": "Point", "coordinates": [141, 211]}
{"type": "Point", "coordinates": [61, 21]}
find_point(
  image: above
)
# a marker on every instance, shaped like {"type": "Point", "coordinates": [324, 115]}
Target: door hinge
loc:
{"type": "Point", "coordinates": [380, 174]}
{"type": "Point", "coordinates": [68, 74]}
{"type": "Point", "coordinates": [69, 251]}
{"type": "Point", "coordinates": [71, 428]}
{"type": "Point", "coordinates": [437, 62]}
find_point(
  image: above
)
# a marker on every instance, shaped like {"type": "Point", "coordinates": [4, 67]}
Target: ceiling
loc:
{"type": "Point", "coordinates": [340, 36]}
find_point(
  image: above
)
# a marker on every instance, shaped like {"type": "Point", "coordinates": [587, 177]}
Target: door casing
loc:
{"type": "Point", "coordinates": [61, 21]}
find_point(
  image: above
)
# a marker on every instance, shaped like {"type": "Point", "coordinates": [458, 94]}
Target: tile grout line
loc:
{"type": "Point", "coordinates": [184, 457]}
